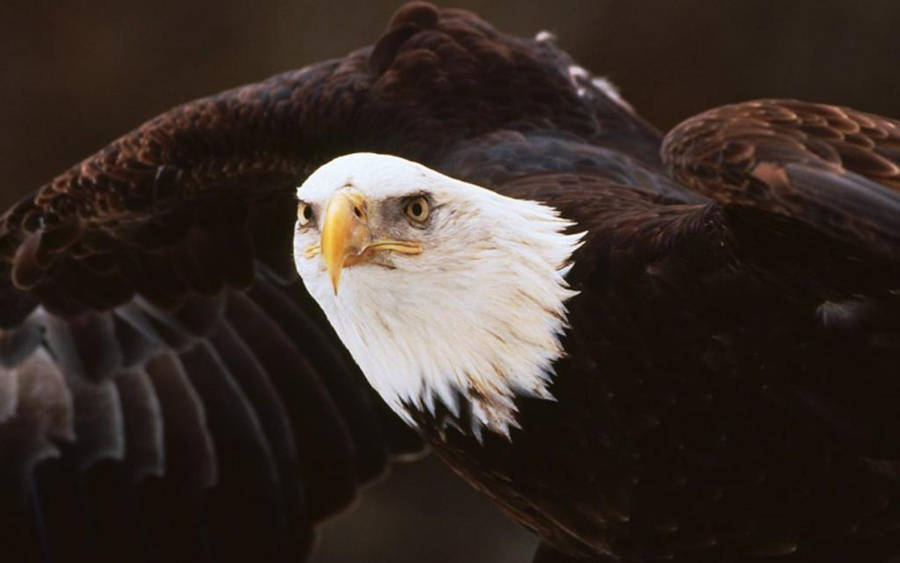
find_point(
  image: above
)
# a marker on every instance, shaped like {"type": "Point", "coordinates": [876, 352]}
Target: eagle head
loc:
{"type": "Point", "coordinates": [443, 292]}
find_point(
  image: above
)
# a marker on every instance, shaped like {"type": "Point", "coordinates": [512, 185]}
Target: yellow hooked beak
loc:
{"type": "Point", "coordinates": [346, 237]}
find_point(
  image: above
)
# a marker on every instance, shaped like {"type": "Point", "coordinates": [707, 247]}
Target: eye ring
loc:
{"type": "Point", "coordinates": [417, 209]}
{"type": "Point", "coordinates": [304, 213]}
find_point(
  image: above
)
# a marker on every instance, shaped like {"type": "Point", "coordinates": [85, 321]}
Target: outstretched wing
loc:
{"type": "Point", "coordinates": [167, 388]}
{"type": "Point", "coordinates": [832, 168]}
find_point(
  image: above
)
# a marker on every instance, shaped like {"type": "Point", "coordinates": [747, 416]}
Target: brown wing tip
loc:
{"type": "Point", "coordinates": [406, 22]}
{"type": "Point", "coordinates": [422, 15]}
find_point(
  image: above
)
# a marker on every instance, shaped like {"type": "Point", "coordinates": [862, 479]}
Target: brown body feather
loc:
{"type": "Point", "coordinates": [169, 391]}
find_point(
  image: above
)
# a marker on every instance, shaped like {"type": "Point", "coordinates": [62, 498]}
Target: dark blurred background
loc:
{"type": "Point", "coordinates": [74, 75]}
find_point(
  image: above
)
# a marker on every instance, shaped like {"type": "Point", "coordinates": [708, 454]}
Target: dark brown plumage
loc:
{"type": "Point", "coordinates": [169, 391]}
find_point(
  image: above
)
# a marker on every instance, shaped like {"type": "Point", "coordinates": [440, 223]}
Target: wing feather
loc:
{"type": "Point", "coordinates": [189, 446]}
{"type": "Point", "coordinates": [257, 385]}
{"type": "Point", "coordinates": [143, 421]}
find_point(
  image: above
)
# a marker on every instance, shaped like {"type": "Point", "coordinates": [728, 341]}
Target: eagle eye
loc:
{"type": "Point", "coordinates": [304, 213]}
{"type": "Point", "coordinates": [417, 209]}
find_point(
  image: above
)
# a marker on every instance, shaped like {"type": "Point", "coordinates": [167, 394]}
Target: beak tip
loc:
{"type": "Point", "coordinates": [335, 279]}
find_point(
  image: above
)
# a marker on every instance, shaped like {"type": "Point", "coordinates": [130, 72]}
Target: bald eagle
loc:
{"type": "Point", "coordinates": [217, 328]}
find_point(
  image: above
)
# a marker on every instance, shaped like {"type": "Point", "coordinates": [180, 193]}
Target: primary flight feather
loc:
{"type": "Point", "coordinates": [218, 327]}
